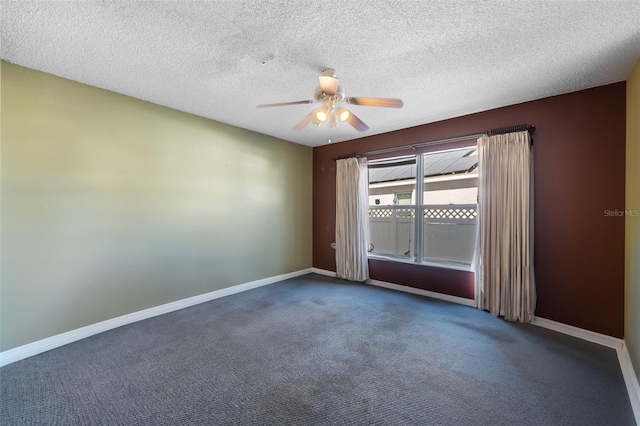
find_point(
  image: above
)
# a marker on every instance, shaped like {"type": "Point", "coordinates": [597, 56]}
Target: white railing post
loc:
{"type": "Point", "coordinates": [394, 229]}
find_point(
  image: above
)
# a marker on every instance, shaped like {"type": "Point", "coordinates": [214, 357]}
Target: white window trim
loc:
{"type": "Point", "coordinates": [430, 263]}
{"type": "Point", "coordinates": [419, 242]}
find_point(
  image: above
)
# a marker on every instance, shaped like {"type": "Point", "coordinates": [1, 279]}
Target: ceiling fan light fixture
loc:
{"type": "Point", "coordinates": [333, 120]}
{"type": "Point", "coordinates": [343, 114]}
{"type": "Point", "coordinates": [320, 115]}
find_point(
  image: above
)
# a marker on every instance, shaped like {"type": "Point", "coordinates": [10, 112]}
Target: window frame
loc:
{"type": "Point", "coordinates": [418, 234]}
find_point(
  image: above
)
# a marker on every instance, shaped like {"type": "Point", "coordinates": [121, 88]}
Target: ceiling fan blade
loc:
{"type": "Point", "coordinates": [357, 124]}
{"type": "Point", "coordinates": [284, 104]}
{"type": "Point", "coordinates": [304, 122]}
{"type": "Point", "coordinates": [328, 82]}
{"type": "Point", "coordinates": [378, 102]}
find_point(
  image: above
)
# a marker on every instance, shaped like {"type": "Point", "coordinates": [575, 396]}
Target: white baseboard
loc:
{"type": "Point", "coordinates": [406, 289]}
{"type": "Point", "coordinates": [427, 293]}
{"type": "Point", "coordinates": [590, 336]}
{"type": "Point", "coordinates": [630, 379]}
{"type": "Point", "coordinates": [628, 373]}
{"type": "Point", "coordinates": [40, 346]}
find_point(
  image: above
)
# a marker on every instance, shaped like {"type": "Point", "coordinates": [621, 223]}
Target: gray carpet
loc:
{"type": "Point", "coordinates": [316, 350]}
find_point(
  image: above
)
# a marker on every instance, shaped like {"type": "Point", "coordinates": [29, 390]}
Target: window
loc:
{"type": "Point", "coordinates": [404, 198]}
{"type": "Point", "coordinates": [444, 198]}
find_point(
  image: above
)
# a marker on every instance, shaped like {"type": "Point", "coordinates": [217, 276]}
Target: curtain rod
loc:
{"type": "Point", "coordinates": [492, 132]}
{"type": "Point", "coordinates": [511, 129]}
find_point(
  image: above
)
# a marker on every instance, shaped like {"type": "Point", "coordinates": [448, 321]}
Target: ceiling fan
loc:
{"type": "Point", "coordinates": [329, 94]}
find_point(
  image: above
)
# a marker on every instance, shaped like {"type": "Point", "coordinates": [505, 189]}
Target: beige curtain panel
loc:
{"type": "Point", "coordinates": [504, 256]}
{"type": "Point", "coordinates": [352, 219]}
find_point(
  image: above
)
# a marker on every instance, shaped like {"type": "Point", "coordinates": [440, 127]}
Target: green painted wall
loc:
{"type": "Point", "coordinates": [111, 205]}
{"type": "Point", "coordinates": [632, 222]}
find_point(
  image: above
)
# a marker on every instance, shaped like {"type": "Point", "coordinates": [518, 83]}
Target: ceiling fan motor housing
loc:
{"type": "Point", "coordinates": [320, 96]}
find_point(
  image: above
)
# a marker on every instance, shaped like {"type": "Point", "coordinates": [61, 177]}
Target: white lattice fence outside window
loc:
{"type": "Point", "coordinates": [391, 211]}
{"type": "Point", "coordinates": [391, 230]}
{"type": "Point", "coordinates": [451, 212]}
{"type": "Point", "coordinates": [449, 234]}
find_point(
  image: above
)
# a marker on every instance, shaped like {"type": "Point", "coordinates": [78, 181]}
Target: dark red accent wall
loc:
{"type": "Point", "coordinates": [579, 166]}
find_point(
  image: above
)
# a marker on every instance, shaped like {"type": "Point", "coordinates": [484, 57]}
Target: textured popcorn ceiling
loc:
{"type": "Point", "coordinates": [219, 59]}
